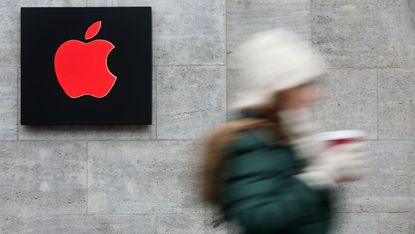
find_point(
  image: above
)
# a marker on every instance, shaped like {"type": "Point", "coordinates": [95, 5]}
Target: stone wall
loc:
{"type": "Point", "coordinates": [135, 179]}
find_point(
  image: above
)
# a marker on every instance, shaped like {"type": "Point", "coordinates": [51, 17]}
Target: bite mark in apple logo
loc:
{"type": "Point", "coordinates": [81, 68]}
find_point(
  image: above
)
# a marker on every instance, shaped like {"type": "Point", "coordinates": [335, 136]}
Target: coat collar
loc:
{"type": "Point", "coordinates": [249, 113]}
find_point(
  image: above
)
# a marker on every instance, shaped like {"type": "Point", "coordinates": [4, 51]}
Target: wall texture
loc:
{"type": "Point", "coordinates": [101, 179]}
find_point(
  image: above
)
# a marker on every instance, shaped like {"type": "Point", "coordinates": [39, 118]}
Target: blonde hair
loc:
{"type": "Point", "coordinates": [214, 151]}
{"type": "Point", "coordinates": [214, 154]}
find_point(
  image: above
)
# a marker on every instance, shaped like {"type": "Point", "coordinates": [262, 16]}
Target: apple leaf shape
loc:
{"type": "Point", "coordinates": [93, 30]}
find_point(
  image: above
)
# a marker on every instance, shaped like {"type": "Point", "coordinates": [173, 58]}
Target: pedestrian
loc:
{"type": "Point", "coordinates": [264, 168]}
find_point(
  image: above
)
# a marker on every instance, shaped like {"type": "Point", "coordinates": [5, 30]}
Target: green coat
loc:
{"type": "Point", "coordinates": [261, 192]}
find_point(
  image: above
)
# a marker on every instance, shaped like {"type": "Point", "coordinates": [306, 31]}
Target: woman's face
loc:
{"type": "Point", "coordinates": [298, 97]}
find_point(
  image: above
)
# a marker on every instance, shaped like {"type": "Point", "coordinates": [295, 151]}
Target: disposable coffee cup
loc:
{"type": "Point", "coordinates": [341, 137]}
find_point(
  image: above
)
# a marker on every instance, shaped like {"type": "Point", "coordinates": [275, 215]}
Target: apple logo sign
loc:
{"type": "Point", "coordinates": [86, 66]}
{"type": "Point", "coordinates": [82, 69]}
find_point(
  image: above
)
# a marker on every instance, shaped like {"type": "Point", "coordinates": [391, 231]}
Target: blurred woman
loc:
{"type": "Point", "coordinates": [264, 168]}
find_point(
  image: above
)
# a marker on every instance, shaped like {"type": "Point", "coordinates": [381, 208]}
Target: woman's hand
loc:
{"type": "Point", "coordinates": [337, 164]}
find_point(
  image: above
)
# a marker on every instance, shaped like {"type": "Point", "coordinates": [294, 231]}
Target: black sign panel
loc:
{"type": "Point", "coordinates": [86, 66]}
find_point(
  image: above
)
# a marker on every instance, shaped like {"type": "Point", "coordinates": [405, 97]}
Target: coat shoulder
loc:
{"type": "Point", "coordinates": [251, 139]}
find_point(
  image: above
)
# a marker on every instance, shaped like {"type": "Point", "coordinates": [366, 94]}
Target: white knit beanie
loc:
{"type": "Point", "coordinates": [272, 61]}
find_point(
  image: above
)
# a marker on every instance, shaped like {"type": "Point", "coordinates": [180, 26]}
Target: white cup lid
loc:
{"type": "Point", "coordinates": [343, 134]}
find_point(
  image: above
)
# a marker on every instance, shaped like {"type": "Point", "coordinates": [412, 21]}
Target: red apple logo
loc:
{"type": "Point", "coordinates": [81, 68]}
